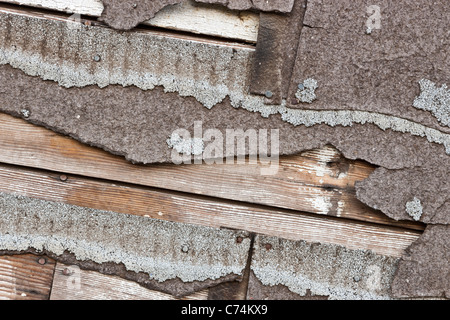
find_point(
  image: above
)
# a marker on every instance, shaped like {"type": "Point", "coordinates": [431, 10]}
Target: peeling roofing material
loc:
{"type": "Point", "coordinates": [409, 194]}
{"type": "Point", "coordinates": [127, 14]}
{"type": "Point", "coordinates": [164, 251]}
{"type": "Point", "coordinates": [322, 269]}
{"type": "Point", "coordinates": [424, 269]}
{"type": "Point", "coordinates": [258, 291]}
{"type": "Point", "coordinates": [377, 72]}
{"type": "Point", "coordinates": [375, 97]}
{"type": "Point", "coordinates": [283, 6]}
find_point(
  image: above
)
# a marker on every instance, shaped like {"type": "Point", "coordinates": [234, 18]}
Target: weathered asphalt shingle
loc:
{"type": "Point", "coordinates": [424, 270]}
{"type": "Point", "coordinates": [322, 270]}
{"type": "Point", "coordinates": [368, 81]}
{"type": "Point", "coordinates": [127, 14]}
{"type": "Point", "coordinates": [163, 251]}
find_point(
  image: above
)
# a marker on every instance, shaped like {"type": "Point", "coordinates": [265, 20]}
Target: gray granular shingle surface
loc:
{"type": "Point", "coordinates": [378, 72]}
{"type": "Point", "coordinates": [370, 101]}
{"type": "Point", "coordinates": [163, 250]}
{"type": "Point", "coordinates": [317, 269]}
{"type": "Point", "coordinates": [424, 269]}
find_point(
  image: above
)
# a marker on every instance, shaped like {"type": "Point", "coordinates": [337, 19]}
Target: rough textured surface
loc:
{"type": "Point", "coordinates": [174, 287]}
{"type": "Point", "coordinates": [127, 131]}
{"type": "Point", "coordinates": [392, 190]}
{"type": "Point", "coordinates": [50, 49]}
{"type": "Point", "coordinates": [367, 85]}
{"type": "Point", "coordinates": [162, 250]}
{"type": "Point", "coordinates": [322, 269]}
{"type": "Point", "coordinates": [258, 291]}
{"type": "Point", "coordinates": [276, 50]}
{"type": "Point", "coordinates": [380, 71]}
{"type": "Point", "coordinates": [127, 14]}
{"type": "Point", "coordinates": [436, 100]}
{"type": "Point", "coordinates": [207, 72]}
{"type": "Point", "coordinates": [424, 270]}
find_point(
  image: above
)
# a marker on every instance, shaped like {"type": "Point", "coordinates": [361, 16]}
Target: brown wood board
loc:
{"type": "Point", "coordinates": [307, 182]}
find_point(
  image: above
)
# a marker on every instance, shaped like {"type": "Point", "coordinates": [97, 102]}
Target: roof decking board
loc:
{"type": "Point", "coordinates": [186, 16]}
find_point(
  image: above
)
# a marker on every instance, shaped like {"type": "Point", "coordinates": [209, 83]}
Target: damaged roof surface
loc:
{"type": "Point", "coordinates": [322, 270]}
{"type": "Point", "coordinates": [176, 258]}
{"type": "Point", "coordinates": [370, 80]}
{"type": "Point", "coordinates": [127, 14]}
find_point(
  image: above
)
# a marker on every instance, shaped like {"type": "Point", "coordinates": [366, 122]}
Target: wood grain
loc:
{"type": "Point", "coordinates": [205, 211]}
{"type": "Point", "coordinates": [187, 16]}
{"type": "Point", "coordinates": [73, 283]}
{"type": "Point", "coordinates": [22, 277]}
{"type": "Point", "coordinates": [318, 181]}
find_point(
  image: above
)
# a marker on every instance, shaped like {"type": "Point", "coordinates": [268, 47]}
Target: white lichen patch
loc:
{"type": "Point", "coordinates": [414, 209]}
{"type": "Point", "coordinates": [306, 92]}
{"type": "Point", "coordinates": [434, 99]}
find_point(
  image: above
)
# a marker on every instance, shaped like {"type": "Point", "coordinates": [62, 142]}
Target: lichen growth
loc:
{"type": "Point", "coordinates": [434, 99]}
{"type": "Point", "coordinates": [414, 209]}
{"type": "Point", "coordinates": [142, 244]}
{"type": "Point", "coordinates": [209, 86]}
{"type": "Point", "coordinates": [323, 269]}
{"type": "Point", "coordinates": [307, 94]}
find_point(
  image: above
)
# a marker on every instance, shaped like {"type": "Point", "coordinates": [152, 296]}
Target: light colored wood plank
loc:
{"type": "Point", "coordinates": [319, 181]}
{"type": "Point", "coordinates": [205, 211]}
{"type": "Point", "coordinates": [187, 16]}
{"type": "Point", "coordinates": [25, 277]}
{"type": "Point", "coordinates": [73, 283]}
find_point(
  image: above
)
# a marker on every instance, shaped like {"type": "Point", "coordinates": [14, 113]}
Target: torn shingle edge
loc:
{"type": "Point", "coordinates": [172, 71]}
{"type": "Point", "coordinates": [325, 270]}
{"type": "Point", "coordinates": [127, 14]}
{"type": "Point", "coordinates": [181, 259]}
{"type": "Point", "coordinates": [164, 251]}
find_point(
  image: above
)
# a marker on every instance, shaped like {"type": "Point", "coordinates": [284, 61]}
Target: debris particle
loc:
{"type": "Point", "coordinates": [25, 112]}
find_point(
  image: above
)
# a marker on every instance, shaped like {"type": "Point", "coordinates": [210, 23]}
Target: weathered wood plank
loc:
{"type": "Point", "coordinates": [206, 211]}
{"type": "Point", "coordinates": [188, 16]}
{"type": "Point", "coordinates": [25, 277]}
{"type": "Point", "coordinates": [73, 283]}
{"type": "Point", "coordinates": [319, 181]}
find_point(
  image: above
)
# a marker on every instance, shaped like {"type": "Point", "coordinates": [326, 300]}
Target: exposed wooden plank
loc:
{"type": "Point", "coordinates": [25, 277]}
{"type": "Point", "coordinates": [188, 16]}
{"type": "Point", "coordinates": [319, 181]}
{"type": "Point", "coordinates": [73, 283]}
{"type": "Point", "coordinates": [200, 210]}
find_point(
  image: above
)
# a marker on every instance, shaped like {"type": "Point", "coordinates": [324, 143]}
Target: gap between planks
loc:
{"type": "Point", "coordinates": [73, 283]}
{"type": "Point", "coordinates": [22, 277]}
{"type": "Point", "coordinates": [188, 16]}
{"type": "Point", "coordinates": [88, 192]}
{"type": "Point", "coordinates": [318, 181]}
